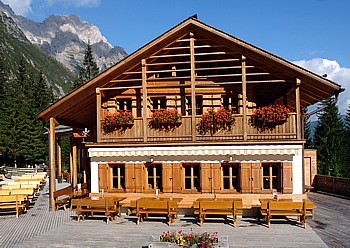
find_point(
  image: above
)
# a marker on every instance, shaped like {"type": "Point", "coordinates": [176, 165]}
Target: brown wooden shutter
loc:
{"type": "Point", "coordinates": [287, 175]}
{"type": "Point", "coordinates": [217, 177]}
{"type": "Point", "coordinates": [245, 177]}
{"type": "Point", "coordinates": [256, 178]}
{"type": "Point", "coordinates": [130, 178]}
{"type": "Point", "coordinates": [178, 178]}
{"type": "Point", "coordinates": [206, 178]}
{"type": "Point", "coordinates": [139, 178]}
{"type": "Point", "coordinates": [103, 177]}
{"type": "Point", "coordinates": [167, 178]}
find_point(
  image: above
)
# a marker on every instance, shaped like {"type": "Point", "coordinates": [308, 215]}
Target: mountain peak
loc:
{"type": "Point", "coordinates": [66, 38]}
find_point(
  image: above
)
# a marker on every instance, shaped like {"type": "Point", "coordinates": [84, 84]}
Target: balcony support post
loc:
{"type": "Point", "coordinates": [52, 159]}
{"type": "Point", "coordinates": [297, 108]}
{"type": "Point", "coordinates": [193, 88]}
{"type": "Point", "coordinates": [144, 100]}
{"type": "Point", "coordinates": [98, 113]}
{"type": "Point", "coordinates": [244, 98]}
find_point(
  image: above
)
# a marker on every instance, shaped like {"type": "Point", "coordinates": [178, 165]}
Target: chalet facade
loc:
{"type": "Point", "coordinates": [193, 70]}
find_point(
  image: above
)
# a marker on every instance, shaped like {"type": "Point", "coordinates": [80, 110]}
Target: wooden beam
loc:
{"type": "Point", "coordinates": [297, 107]}
{"type": "Point", "coordinates": [193, 87]}
{"type": "Point", "coordinates": [244, 98]}
{"type": "Point", "coordinates": [144, 99]}
{"type": "Point", "coordinates": [52, 158]}
{"type": "Point", "coordinates": [98, 115]}
{"type": "Point", "coordinates": [75, 163]}
{"type": "Point", "coordinates": [59, 160]}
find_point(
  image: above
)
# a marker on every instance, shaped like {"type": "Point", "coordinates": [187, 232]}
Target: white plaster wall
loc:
{"type": "Point", "coordinates": [94, 177]}
{"type": "Point", "coordinates": [298, 173]}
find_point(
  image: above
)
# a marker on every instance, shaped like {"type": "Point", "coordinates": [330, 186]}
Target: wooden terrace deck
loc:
{"type": "Point", "coordinates": [41, 228]}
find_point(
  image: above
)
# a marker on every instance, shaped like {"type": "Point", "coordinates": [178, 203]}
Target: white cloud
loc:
{"type": "Point", "coordinates": [335, 72]}
{"type": "Point", "coordinates": [20, 7]}
{"type": "Point", "coordinates": [75, 3]}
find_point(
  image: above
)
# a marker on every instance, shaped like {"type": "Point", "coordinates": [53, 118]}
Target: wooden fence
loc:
{"type": "Point", "coordinates": [333, 185]}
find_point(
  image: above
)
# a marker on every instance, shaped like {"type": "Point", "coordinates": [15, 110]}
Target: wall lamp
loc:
{"type": "Point", "coordinates": [151, 158]}
{"type": "Point", "coordinates": [230, 157]}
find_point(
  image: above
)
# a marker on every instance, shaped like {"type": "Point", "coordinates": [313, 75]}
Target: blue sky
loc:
{"type": "Point", "coordinates": [312, 33]}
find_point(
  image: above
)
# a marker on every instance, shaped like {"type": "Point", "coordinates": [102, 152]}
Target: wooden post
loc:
{"type": "Point", "coordinates": [193, 88]}
{"type": "Point", "coordinates": [59, 161]}
{"type": "Point", "coordinates": [52, 157]}
{"type": "Point", "coordinates": [71, 168]}
{"type": "Point", "coordinates": [98, 114]}
{"type": "Point", "coordinates": [244, 98]}
{"type": "Point", "coordinates": [144, 100]}
{"type": "Point", "coordinates": [75, 161]}
{"type": "Point", "coordinates": [297, 108]}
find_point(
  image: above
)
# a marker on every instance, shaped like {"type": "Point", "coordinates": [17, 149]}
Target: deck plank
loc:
{"type": "Point", "coordinates": [41, 228]}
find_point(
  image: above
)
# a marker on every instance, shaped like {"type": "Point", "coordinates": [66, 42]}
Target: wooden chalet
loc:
{"type": "Point", "coordinates": [193, 66]}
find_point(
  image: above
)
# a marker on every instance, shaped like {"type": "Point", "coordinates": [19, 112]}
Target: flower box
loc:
{"type": "Point", "coordinates": [165, 119]}
{"type": "Point", "coordinates": [120, 120]}
{"type": "Point", "coordinates": [216, 120]}
{"type": "Point", "coordinates": [270, 116]}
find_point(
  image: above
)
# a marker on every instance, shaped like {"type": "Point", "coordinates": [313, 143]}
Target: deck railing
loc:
{"type": "Point", "coordinates": [183, 133]}
{"type": "Point", "coordinates": [333, 185]}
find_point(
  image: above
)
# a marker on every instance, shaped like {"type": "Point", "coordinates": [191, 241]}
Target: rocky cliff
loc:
{"type": "Point", "coordinates": [66, 38]}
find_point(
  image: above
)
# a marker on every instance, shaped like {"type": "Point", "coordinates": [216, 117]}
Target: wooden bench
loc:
{"type": "Point", "coordinates": [217, 207]}
{"type": "Point", "coordinates": [28, 193]}
{"type": "Point", "coordinates": [306, 211]}
{"type": "Point", "coordinates": [145, 207]}
{"type": "Point", "coordinates": [285, 208]}
{"type": "Point", "coordinates": [62, 197]}
{"type": "Point", "coordinates": [90, 206]}
{"type": "Point", "coordinates": [13, 202]}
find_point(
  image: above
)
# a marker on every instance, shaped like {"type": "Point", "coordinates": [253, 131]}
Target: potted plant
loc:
{"type": "Point", "coordinates": [214, 120]}
{"type": "Point", "coordinates": [191, 239]}
{"type": "Point", "coordinates": [165, 119]}
{"type": "Point", "coordinates": [270, 116]}
{"type": "Point", "coordinates": [119, 120]}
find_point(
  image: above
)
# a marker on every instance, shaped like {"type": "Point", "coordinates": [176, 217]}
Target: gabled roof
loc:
{"type": "Point", "coordinates": [272, 75]}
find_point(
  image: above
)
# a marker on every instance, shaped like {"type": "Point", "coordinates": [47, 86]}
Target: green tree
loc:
{"type": "Point", "coordinates": [89, 69]}
{"type": "Point", "coordinates": [307, 129]}
{"type": "Point", "coordinates": [328, 139]}
{"type": "Point", "coordinates": [346, 141]}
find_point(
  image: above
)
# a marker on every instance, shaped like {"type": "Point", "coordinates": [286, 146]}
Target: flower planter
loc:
{"type": "Point", "coordinates": [165, 120]}
{"type": "Point", "coordinates": [121, 120]}
{"type": "Point", "coordinates": [268, 117]}
{"type": "Point", "coordinates": [216, 120]}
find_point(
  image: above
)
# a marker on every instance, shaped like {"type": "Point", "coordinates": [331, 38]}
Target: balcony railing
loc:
{"type": "Point", "coordinates": [183, 133]}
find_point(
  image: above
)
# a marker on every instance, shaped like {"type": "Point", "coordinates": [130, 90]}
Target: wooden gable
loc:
{"type": "Point", "coordinates": [165, 63]}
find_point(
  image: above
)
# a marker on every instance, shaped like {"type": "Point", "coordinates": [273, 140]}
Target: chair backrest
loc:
{"type": "Point", "coordinates": [285, 205]}
{"type": "Point", "coordinates": [216, 204]}
{"type": "Point", "coordinates": [155, 204]}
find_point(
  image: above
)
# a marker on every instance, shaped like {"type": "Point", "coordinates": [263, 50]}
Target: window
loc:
{"type": "Point", "coordinates": [199, 105]}
{"type": "Point", "coordinates": [124, 104]}
{"type": "Point", "coordinates": [192, 179]}
{"type": "Point", "coordinates": [118, 176]}
{"type": "Point", "coordinates": [154, 176]}
{"type": "Point", "coordinates": [271, 176]}
{"type": "Point", "coordinates": [230, 102]}
{"type": "Point", "coordinates": [230, 178]}
{"type": "Point", "coordinates": [159, 103]}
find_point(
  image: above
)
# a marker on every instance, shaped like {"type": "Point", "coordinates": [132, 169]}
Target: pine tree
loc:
{"type": "Point", "coordinates": [346, 141]}
{"type": "Point", "coordinates": [89, 69]}
{"type": "Point", "coordinates": [328, 139]}
{"type": "Point", "coordinates": [307, 130]}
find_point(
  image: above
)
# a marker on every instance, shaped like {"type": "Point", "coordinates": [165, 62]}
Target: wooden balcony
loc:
{"type": "Point", "coordinates": [183, 133]}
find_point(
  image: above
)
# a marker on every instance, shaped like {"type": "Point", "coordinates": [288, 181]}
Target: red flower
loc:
{"type": "Point", "coordinates": [214, 120]}
{"type": "Point", "coordinates": [270, 115]}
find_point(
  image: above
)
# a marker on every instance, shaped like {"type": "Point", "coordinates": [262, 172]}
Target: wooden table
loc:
{"type": "Point", "coordinates": [80, 193]}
